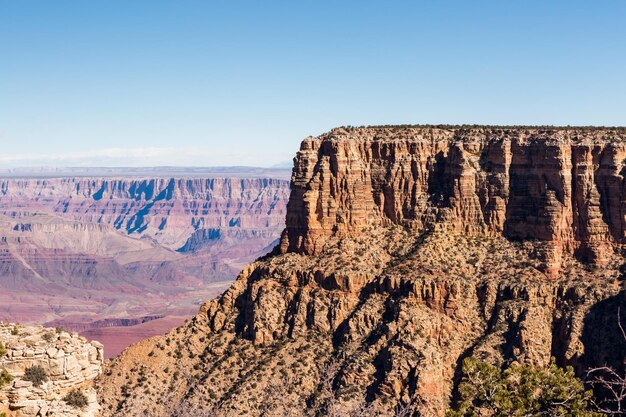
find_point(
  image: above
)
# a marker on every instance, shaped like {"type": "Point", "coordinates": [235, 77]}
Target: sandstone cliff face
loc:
{"type": "Point", "coordinates": [406, 250]}
{"type": "Point", "coordinates": [561, 187]}
{"type": "Point", "coordinates": [69, 361]}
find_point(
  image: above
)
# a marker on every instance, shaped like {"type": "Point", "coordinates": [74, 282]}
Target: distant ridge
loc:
{"type": "Point", "coordinates": [159, 171]}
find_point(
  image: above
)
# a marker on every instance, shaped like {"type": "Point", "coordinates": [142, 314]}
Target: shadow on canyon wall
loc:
{"type": "Point", "coordinates": [603, 332]}
{"type": "Point", "coordinates": [604, 338]}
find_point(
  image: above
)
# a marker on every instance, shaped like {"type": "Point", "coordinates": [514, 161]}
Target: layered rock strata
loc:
{"type": "Point", "coordinates": [168, 210]}
{"type": "Point", "coordinates": [68, 361]}
{"type": "Point", "coordinates": [561, 187]}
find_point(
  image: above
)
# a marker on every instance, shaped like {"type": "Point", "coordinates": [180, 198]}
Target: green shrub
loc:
{"type": "Point", "coordinates": [76, 399]}
{"type": "Point", "coordinates": [36, 374]}
{"type": "Point", "coordinates": [5, 378]}
{"type": "Point", "coordinates": [520, 390]}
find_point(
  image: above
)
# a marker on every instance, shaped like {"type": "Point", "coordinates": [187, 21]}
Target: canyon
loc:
{"type": "Point", "coordinates": [107, 252]}
{"type": "Point", "coordinates": [406, 249]}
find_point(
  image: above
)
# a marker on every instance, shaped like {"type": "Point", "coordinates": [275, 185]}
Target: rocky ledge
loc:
{"type": "Point", "coordinates": [66, 362]}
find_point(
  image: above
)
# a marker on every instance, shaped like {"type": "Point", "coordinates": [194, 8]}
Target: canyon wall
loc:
{"type": "Point", "coordinates": [168, 210]}
{"type": "Point", "coordinates": [77, 251]}
{"type": "Point", "coordinates": [406, 250]}
{"type": "Point", "coordinates": [562, 187]}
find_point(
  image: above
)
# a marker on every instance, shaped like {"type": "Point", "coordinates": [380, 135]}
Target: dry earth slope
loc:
{"type": "Point", "coordinates": [406, 249]}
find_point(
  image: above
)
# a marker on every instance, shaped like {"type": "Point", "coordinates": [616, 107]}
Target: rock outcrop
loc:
{"type": "Point", "coordinates": [561, 187]}
{"type": "Point", "coordinates": [406, 250]}
{"type": "Point", "coordinates": [68, 361]}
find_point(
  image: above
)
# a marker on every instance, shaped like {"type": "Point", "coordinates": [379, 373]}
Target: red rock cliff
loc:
{"type": "Point", "coordinates": [563, 187]}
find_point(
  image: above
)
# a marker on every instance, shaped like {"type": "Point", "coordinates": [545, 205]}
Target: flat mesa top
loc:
{"type": "Point", "coordinates": [487, 128]}
{"type": "Point", "coordinates": [570, 134]}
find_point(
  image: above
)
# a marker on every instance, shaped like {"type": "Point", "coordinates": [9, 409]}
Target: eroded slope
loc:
{"type": "Point", "coordinates": [406, 250]}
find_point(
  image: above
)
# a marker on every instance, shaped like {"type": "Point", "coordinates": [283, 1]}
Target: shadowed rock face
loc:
{"type": "Point", "coordinates": [406, 250]}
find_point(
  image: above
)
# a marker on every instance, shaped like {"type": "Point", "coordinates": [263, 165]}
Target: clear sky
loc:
{"type": "Point", "coordinates": [153, 82]}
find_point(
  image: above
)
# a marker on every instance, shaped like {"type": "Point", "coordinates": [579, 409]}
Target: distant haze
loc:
{"type": "Point", "coordinates": [144, 157]}
{"type": "Point", "coordinates": [152, 172]}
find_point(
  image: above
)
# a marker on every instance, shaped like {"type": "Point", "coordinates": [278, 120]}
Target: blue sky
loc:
{"type": "Point", "coordinates": [241, 83]}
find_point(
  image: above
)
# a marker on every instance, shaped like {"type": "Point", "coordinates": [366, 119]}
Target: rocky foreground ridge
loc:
{"type": "Point", "coordinates": [406, 249]}
{"type": "Point", "coordinates": [68, 361]}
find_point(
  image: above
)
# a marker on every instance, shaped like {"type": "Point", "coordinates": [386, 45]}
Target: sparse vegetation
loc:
{"type": "Point", "coordinates": [5, 378]}
{"type": "Point", "coordinates": [49, 337]}
{"type": "Point", "coordinates": [520, 390]}
{"type": "Point", "coordinates": [36, 374]}
{"type": "Point", "coordinates": [76, 399]}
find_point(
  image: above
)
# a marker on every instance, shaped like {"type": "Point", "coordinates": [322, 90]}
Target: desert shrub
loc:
{"type": "Point", "coordinates": [49, 337]}
{"type": "Point", "coordinates": [36, 374]}
{"type": "Point", "coordinates": [5, 378]}
{"type": "Point", "coordinates": [76, 399]}
{"type": "Point", "coordinates": [16, 330]}
{"type": "Point", "coordinates": [520, 390]}
{"type": "Point", "coordinates": [3, 350]}
{"type": "Point", "coordinates": [60, 329]}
